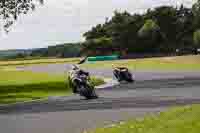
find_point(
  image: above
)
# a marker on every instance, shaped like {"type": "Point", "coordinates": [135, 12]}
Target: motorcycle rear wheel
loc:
{"type": "Point", "coordinates": [88, 92]}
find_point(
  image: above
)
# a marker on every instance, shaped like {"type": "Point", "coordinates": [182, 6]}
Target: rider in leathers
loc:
{"type": "Point", "coordinates": [117, 70]}
{"type": "Point", "coordinates": [73, 74]}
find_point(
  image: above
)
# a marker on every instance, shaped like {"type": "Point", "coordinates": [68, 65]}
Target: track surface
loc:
{"type": "Point", "coordinates": [121, 102]}
{"type": "Point", "coordinates": [140, 76]}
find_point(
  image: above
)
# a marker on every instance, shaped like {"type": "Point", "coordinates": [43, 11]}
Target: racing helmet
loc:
{"type": "Point", "coordinates": [75, 67]}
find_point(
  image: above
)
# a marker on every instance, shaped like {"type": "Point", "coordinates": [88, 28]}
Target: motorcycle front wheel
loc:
{"type": "Point", "coordinates": [88, 92]}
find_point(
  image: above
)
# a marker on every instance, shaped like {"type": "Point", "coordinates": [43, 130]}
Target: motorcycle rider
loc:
{"type": "Point", "coordinates": [117, 70]}
{"type": "Point", "coordinates": [73, 75]}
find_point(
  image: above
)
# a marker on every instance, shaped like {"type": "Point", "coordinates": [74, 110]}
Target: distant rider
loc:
{"type": "Point", "coordinates": [117, 69]}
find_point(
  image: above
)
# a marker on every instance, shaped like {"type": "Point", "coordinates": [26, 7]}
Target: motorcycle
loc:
{"type": "Point", "coordinates": [123, 74]}
{"type": "Point", "coordinates": [84, 86]}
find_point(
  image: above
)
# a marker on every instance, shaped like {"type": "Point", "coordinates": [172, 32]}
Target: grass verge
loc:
{"type": "Point", "coordinates": [179, 63]}
{"type": "Point", "coordinates": [178, 120]}
{"type": "Point", "coordinates": [20, 86]}
{"type": "Point", "coordinates": [39, 61]}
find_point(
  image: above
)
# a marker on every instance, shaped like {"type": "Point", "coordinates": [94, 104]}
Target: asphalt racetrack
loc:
{"type": "Point", "coordinates": [152, 92]}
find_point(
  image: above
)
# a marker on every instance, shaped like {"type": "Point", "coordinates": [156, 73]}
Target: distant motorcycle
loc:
{"type": "Point", "coordinates": [123, 74]}
{"type": "Point", "coordinates": [84, 86]}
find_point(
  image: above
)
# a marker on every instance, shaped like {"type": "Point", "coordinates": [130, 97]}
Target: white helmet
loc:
{"type": "Point", "coordinates": [75, 67]}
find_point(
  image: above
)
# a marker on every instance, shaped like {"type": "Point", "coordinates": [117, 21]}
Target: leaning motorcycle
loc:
{"type": "Point", "coordinates": [84, 86]}
{"type": "Point", "coordinates": [123, 74]}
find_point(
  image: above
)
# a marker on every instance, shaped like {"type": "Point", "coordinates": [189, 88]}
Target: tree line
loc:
{"type": "Point", "coordinates": [66, 50]}
{"type": "Point", "coordinates": [60, 51]}
{"type": "Point", "coordinates": [163, 29]}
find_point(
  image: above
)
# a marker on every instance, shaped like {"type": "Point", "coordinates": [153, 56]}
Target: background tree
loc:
{"type": "Point", "coordinates": [150, 28]}
{"type": "Point", "coordinates": [162, 29]}
{"type": "Point", "coordinates": [196, 12]}
{"type": "Point", "coordinates": [11, 9]}
{"type": "Point", "coordinates": [196, 38]}
{"type": "Point", "coordinates": [95, 32]}
{"type": "Point", "coordinates": [185, 28]}
{"type": "Point", "coordinates": [150, 36]}
{"type": "Point", "coordinates": [97, 46]}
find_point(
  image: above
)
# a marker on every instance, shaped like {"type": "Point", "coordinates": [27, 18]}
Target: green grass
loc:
{"type": "Point", "coordinates": [179, 63]}
{"type": "Point", "coordinates": [178, 120]}
{"type": "Point", "coordinates": [39, 61]}
{"type": "Point", "coordinates": [20, 86]}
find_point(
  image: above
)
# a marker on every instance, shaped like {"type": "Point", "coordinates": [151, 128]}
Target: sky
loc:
{"type": "Point", "coordinates": [65, 21]}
